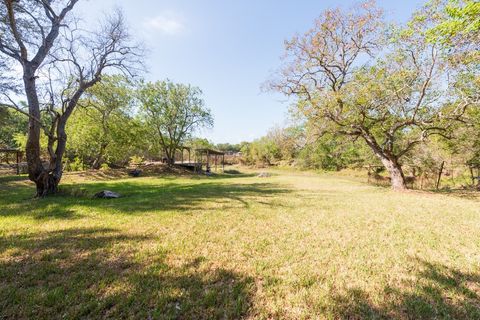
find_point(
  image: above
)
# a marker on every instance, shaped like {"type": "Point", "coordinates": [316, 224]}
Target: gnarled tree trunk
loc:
{"type": "Point", "coordinates": [397, 178]}
{"type": "Point", "coordinates": [46, 178]}
{"type": "Point", "coordinates": [37, 173]}
{"type": "Point", "coordinates": [390, 162]}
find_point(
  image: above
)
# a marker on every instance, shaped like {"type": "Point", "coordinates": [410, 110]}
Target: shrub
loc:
{"type": "Point", "coordinates": [135, 160]}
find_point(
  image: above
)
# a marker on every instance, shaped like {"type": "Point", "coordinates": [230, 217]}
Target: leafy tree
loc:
{"type": "Point", "coordinates": [332, 152]}
{"type": "Point", "coordinates": [59, 62]}
{"type": "Point", "coordinates": [199, 143]}
{"type": "Point", "coordinates": [125, 138]}
{"type": "Point", "coordinates": [228, 147]}
{"type": "Point", "coordinates": [267, 150]}
{"type": "Point", "coordinates": [172, 112]}
{"type": "Point", "coordinates": [393, 93]}
{"type": "Point", "coordinates": [460, 22]}
{"type": "Point", "coordinates": [12, 123]}
{"type": "Point", "coordinates": [104, 129]}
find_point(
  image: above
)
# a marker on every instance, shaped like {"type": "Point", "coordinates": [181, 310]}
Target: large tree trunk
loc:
{"type": "Point", "coordinates": [47, 182]}
{"type": "Point", "coordinates": [36, 171]}
{"type": "Point", "coordinates": [46, 178]}
{"type": "Point", "coordinates": [390, 162]}
{"type": "Point", "coordinates": [397, 178]}
{"type": "Point", "coordinates": [170, 155]}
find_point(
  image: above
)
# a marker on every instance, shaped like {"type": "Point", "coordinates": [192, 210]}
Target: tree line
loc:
{"type": "Point", "coordinates": [119, 121]}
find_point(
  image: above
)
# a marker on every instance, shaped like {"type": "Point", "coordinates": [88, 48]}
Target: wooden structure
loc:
{"type": "Point", "coordinates": [18, 155]}
{"type": "Point", "coordinates": [186, 161]}
{"type": "Point", "coordinates": [199, 160]}
{"type": "Point", "coordinates": [206, 153]}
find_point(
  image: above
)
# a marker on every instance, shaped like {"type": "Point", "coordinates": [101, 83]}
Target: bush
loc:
{"type": "Point", "coordinates": [76, 165]}
{"type": "Point", "coordinates": [135, 161]}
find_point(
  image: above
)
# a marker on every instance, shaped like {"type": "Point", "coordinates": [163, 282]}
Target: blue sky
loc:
{"type": "Point", "coordinates": [227, 48]}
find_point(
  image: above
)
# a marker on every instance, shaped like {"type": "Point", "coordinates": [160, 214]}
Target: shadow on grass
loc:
{"type": "Point", "coordinates": [96, 273]}
{"type": "Point", "coordinates": [439, 292]}
{"type": "Point", "coordinates": [470, 194]}
{"type": "Point", "coordinates": [142, 196]}
{"type": "Point", "coordinates": [11, 178]}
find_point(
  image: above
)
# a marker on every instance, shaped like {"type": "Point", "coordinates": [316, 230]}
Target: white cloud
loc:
{"type": "Point", "coordinates": [167, 22]}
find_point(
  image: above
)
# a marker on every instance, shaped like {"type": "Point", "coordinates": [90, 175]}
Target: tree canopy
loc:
{"type": "Point", "coordinates": [172, 112]}
{"type": "Point", "coordinates": [393, 92]}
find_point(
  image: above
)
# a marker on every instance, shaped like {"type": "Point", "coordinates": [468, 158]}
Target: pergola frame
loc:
{"type": "Point", "coordinates": [208, 153]}
{"type": "Point", "coordinates": [201, 157]}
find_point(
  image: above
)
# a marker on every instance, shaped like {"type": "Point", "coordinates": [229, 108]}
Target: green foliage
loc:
{"type": "Point", "coordinates": [228, 147]}
{"type": "Point", "coordinates": [391, 88]}
{"type": "Point", "coordinates": [20, 140]}
{"type": "Point", "coordinates": [297, 146]}
{"type": "Point", "coordinates": [199, 143]}
{"type": "Point", "coordinates": [172, 113]}
{"type": "Point", "coordinates": [12, 125]}
{"type": "Point", "coordinates": [104, 167]}
{"type": "Point", "coordinates": [331, 152]}
{"type": "Point", "coordinates": [461, 19]}
{"type": "Point", "coordinates": [103, 129]}
{"type": "Point", "coordinates": [75, 165]}
{"type": "Point", "coordinates": [135, 161]}
{"type": "Point", "coordinates": [263, 151]}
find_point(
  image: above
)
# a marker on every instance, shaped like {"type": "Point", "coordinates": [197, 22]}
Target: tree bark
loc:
{"type": "Point", "coordinates": [397, 178]}
{"type": "Point", "coordinates": [47, 178]}
{"type": "Point", "coordinates": [36, 171]}
{"type": "Point", "coordinates": [390, 162]}
{"type": "Point", "coordinates": [170, 155]}
{"type": "Point", "coordinates": [99, 159]}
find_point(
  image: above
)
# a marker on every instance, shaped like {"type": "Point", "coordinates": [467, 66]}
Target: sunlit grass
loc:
{"type": "Point", "coordinates": [290, 246]}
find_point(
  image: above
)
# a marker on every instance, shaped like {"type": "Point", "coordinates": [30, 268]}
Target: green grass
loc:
{"type": "Point", "coordinates": [290, 246]}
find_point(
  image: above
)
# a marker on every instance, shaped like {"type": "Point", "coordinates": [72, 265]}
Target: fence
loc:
{"type": "Point", "coordinates": [444, 176]}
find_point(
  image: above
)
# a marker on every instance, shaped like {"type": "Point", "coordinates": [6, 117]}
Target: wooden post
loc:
{"type": "Point", "coordinates": [471, 175]}
{"type": "Point", "coordinates": [18, 163]}
{"type": "Point", "coordinates": [439, 175]}
{"type": "Point", "coordinates": [215, 162]}
{"type": "Point", "coordinates": [223, 163]}
{"type": "Point", "coordinates": [208, 161]}
{"type": "Point", "coordinates": [200, 161]}
{"type": "Point", "coordinates": [195, 161]}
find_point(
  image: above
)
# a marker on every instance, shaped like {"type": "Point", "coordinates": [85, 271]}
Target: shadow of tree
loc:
{"type": "Point", "coordinates": [95, 273]}
{"type": "Point", "coordinates": [10, 178]}
{"type": "Point", "coordinates": [109, 175]}
{"type": "Point", "coordinates": [437, 292]}
{"type": "Point", "coordinates": [139, 197]}
{"type": "Point", "coordinates": [470, 194]}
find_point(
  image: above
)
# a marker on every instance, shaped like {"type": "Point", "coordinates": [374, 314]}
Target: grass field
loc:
{"type": "Point", "coordinates": [290, 246]}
